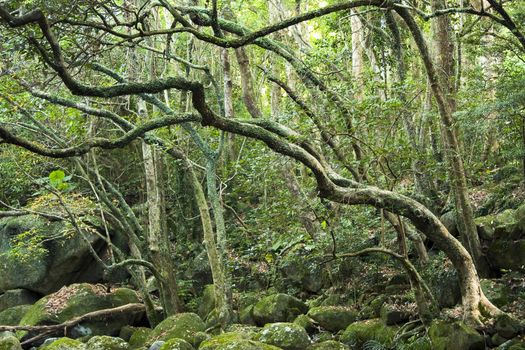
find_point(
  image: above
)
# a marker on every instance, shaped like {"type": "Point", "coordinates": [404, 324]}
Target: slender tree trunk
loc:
{"type": "Point", "coordinates": [443, 86]}
{"type": "Point", "coordinates": [248, 94]}
{"type": "Point", "coordinates": [159, 244]}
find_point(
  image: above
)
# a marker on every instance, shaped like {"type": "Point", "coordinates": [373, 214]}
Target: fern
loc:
{"type": "Point", "coordinates": [374, 345]}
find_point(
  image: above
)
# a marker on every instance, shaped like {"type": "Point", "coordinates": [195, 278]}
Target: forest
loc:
{"type": "Point", "coordinates": [262, 174]}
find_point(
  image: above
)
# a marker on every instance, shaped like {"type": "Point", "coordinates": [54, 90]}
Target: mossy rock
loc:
{"type": "Point", "coordinates": [208, 301]}
{"type": "Point", "coordinates": [249, 331]}
{"type": "Point", "coordinates": [507, 326]}
{"type": "Point", "coordinates": [65, 344]}
{"type": "Point", "coordinates": [224, 338]}
{"type": "Point", "coordinates": [418, 343]}
{"type": "Point", "coordinates": [80, 299]}
{"type": "Point", "coordinates": [507, 255]}
{"type": "Point", "coordinates": [104, 342]}
{"type": "Point", "coordinates": [455, 335]}
{"type": "Point", "coordinates": [62, 262]}
{"type": "Point", "coordinates": [287, 336]}
{"type": "Point", "coordinates": [333, 318]}
{"type": "Point", "coordinates": [306, 322]}
{"type": "Point", "coordinates": [246, 315]}
{"type": "Point", "coordinates": [392, 314]}
{"type": "Point", "coordinates": [183, 326]}
{"type": "Point", "coordinates": [358, 333]}
{"type": "Point", "coordinates": [176, 344]}
{"type": "Point", "coordinates": [243, 344]}
{"type": "Point", "coordinates": [13, 315]}
{"type": "Point", "coordinates": [328, 345]}
{"type": "Point", "coordinates": [139, 337]}
{"type": "Point", "coordinates": [16, 297]}
{"type": "Point", "coordinates": [8, 341]}
{"type": "Point", "coordinates": [278, 308]}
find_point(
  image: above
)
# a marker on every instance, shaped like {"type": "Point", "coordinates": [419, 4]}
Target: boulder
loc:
{"type": "Point", "coordinates": [306, 322]}
{"type": "Point", "coordinates": [246, 315]}
{"type": "Point", "coordinates": [358, 333]}
{"type": "Point", "coordinates": [13, 315]}
{"type": "Point", "coordinates": [278, 308]}
{"type": "Point", "coordinates": [287, 336]}
{"type": "Point", "coordinates": [449, 220]}
{"type": "Point", "coordinates": [333, 318]}
{"type": "Point", "coordinates": [64, 344]}
{"type": "Point", "coordinates": [243, 344]}
{"type": "Point", "coordinates": [139, 337]}
{"type": "Point", "coordinates": [392, 314]}
{"type": "Point", "coordinates": [208, 301]}
{"type": "Point", "coordinates": [80, 299]}
{"type": "Point", "coordinates": [15, 297]}
{"type": "Point", "coordinates": [507, 327]}
{"type": "Point", "coordinates": [106, 343]}
{"type": "Point", "coordinates": [302, 273]}
{"type": "Point", "coordinates": [453, 336]}
{"type": "Point", "coordinates": [8, 341]}
{"type": "Point", "coordinates": [176, 344]}
{"type": "Point", "coordinates": [63, 260]}
{"type": "Point", "coordinates": [186, 326]}
{"type": "Point", "coordinates": [225, 338]}
{"type": "Point", "coordinates": [328, 345]}
{"type": "Point", "coordinates": [507, 255]}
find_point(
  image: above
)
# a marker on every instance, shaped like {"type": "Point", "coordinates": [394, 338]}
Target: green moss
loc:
{"type": "Point", "coordinates": [243, 344]}
{"type": "Point", "coordinates": [65, 344]}
{"type": "Point", "coordinates": [139, 337]}
{"type": "Point", "coordinates": [287, 336]}
{"type": "Point", "coordinates": [278, 308]}
{"type": "Point", "coordinates": [224, 338]}
{"type": "Point", "coordinates": [356, 334]}
{"type": "Point", "coordinates": [9, 342]}
{"type": "Point", "coordinates": [333, 318]}
{"type": "Point", "coordinates": [80, 299]}
{"type": "Point", "coordinates": [456, 335]}
{"type": "Point", "coordinates": [328, 345]}
{"type": "Point", "coordinates": [106, 343]}
{"type": "Point", "coordinates": [183, 326]}
{"type": "Point", "coordinates": [13, 315]}
{"type": "Point", "coordinates": [176, 344]}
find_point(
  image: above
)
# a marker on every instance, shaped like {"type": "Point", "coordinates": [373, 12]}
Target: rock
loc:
{"type": "Point", "coordinates": [8, 341]}
{"type": "Point", "coordinates": [507, 327]}
{"type": "Point", "coordinates": [64, 261]}
{"type": "Point", "coordinates": [139, 337]}
{"type": "Point", "coordinates": [176, 344]}
{"type": "Point", "coordinates": [444, 283]}
{"type": "Point", "coordinates": [287, 336]}
{"type": "Point", "coordinates": [208, 301]}
{"type": "Point", "coordinates": [183, 326]}
{"type": "Point", "coordinates": [507, 255]}
{"type": "Point", "coordinates": [199, 270]}
{"type": "Point", "coordinates": [13, 315]}
{"type": "Point", "coordinates": [358, 333]}
{"type": "Point", "coordinates": [16, 297]}
{"type": "Point", "coordinates": [302, 273]}
{"type": "Point", "coordinates": [157, 345]}
{"type": "Point", "coordinates": [333, 318]}
{"type": "Point", "coordinates": [306, 322]}
{"type": "Point", "coordinates": [127, 331]}
{"type": "Point", "coordinates": [246, 316]}
{"type": "Point", "coordinates": [392, 314]}
{"type": "Point", "coordinates": [278, 308]}
{"type": "Point", "coordinates": [106, 343]}
{"type": "Point", "coordinates": [454, 336]}
{"type": "Point", "coordinates": [328, 345]}
{"type": "Point", "coordinates": [240, 340]}
{"type": "Point", "coordinates": [449, 220]}
{"type": "Point", "coordinates": [80, 299]}
{"type": "Point", "coordinates": [485, 227]}
{"type": "Point", "coordinates": [64, 344]}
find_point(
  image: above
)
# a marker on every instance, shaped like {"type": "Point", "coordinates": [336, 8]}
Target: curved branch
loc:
{"type": "Point", "coordinates": [9, 137]}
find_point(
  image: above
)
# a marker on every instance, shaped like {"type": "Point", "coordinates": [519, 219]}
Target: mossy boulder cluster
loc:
{"type": "Point", "coordinates": [66, 260]}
